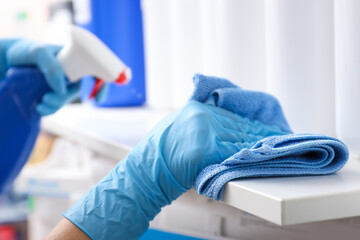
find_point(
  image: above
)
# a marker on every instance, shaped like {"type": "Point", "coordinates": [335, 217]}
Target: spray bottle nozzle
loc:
{"type": "Point", "coordinates": [122, 79]}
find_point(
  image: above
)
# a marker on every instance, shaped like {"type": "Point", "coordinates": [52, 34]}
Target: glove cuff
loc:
{"type": "Point", "coordinates": [123, 203]}
{"type": "Point", "coordinates": [156, 187]}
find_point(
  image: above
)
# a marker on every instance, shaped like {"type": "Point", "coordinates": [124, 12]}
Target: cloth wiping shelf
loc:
{"type": "Point", "coordinates": [282, 155]}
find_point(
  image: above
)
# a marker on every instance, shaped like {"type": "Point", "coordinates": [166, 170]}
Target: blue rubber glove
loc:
{"type": "Point", "coordinates": [22, 52]}
{"type": "Point", "coordinates": [162, 167]}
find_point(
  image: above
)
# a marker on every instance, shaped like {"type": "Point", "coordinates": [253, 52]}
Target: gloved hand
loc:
{"type": "Point", "coordinates": [162, 167]}
{"type": "Point", "coordinates": [25, 52]}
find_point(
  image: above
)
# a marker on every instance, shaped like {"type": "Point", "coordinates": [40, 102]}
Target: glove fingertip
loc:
{"type": "Point", "coordinates": [47, 97]}
{"type": "Point", "coordinates": [44, 110]}
{"type": "Point", "coordinates": [55, 48]}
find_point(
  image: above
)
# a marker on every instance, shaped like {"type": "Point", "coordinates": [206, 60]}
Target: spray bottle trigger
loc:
{"type": "Point", "coordinates": [99, 83]}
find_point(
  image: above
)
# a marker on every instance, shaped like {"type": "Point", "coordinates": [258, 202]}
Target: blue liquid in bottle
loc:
{"type": "Point", "coordinates": [20, 92]}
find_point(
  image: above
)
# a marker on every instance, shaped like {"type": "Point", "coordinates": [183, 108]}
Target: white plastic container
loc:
{"type": "Point", "coordinates": [347, 66]}
{"type": "Point", "coordinates": [300, 62]}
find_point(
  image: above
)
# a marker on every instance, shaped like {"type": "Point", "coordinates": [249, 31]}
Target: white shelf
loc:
{"type": "Point", "coordinates": [283, 201]}
{"type": "Point", "coordinates": [110, 131]}
{"type": "Point", "coordinates": [292, 200]}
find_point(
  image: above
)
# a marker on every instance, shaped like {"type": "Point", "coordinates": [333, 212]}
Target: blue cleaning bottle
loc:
{"type": "Point", "coordinates": [23, 88]}
{"type": "Point", "coordinates": [118, 23]}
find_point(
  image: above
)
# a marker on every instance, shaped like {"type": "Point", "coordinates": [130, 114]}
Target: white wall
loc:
{"type": "Point", "coordinates": [215, 37]}
{"type": "Point", "coordinates": [300, 62]}
{"type": "Point", "coordinates": [284, 47]}
{"type": "Point", "coordinates": [33, 27]}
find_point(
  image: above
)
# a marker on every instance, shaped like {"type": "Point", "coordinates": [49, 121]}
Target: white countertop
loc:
{"type": "Point", "coordinates": [283, 201]}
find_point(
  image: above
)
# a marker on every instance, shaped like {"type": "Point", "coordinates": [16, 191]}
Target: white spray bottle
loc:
{"type": "Point", "coordinates": [87, 55]}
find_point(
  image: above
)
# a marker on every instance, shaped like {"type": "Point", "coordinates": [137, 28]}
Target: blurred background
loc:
{"type": "Point", "coordinates": [276, 46]}
{"type": "Point", "coordinates": [286, 48]}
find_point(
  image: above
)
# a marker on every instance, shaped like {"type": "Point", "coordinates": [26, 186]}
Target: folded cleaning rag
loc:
{"type": "Point", "coordinates": [284, 155]}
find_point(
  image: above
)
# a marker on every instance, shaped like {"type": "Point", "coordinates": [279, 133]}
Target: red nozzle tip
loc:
{"type": "Point", "coordinates": [99, 83]}
{"type": "Point", "coordinates": [121, 78]}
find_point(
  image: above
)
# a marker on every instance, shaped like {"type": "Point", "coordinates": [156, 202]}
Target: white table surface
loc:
{"type": "Point", "coordinates": [284, 201]}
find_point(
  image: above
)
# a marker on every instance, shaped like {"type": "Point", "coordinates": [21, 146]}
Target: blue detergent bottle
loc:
{"type": "Point", "coordinates": [118, 23]}
{"type": "Point", "coordinates": [20, 123]}
{"type": "Point", "coordinates": [23, 88]}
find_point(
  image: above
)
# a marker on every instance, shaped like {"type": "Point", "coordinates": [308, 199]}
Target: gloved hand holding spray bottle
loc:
{"type": "Point", "coordinates": [26, 92]}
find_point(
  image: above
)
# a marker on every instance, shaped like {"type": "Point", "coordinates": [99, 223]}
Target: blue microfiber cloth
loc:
{"type": "Point", "coordinates": [253, 105]}
{"type": "Point", "coordinates": [284, 155]}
